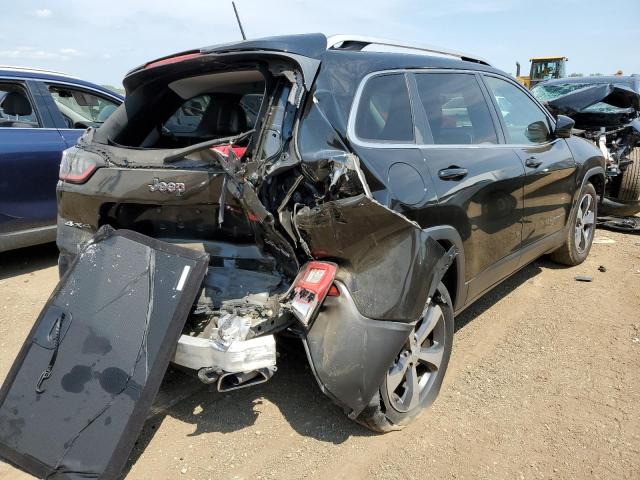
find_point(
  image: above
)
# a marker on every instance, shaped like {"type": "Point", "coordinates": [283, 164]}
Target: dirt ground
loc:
{"type": "Point", "coordinates": [544, 382]}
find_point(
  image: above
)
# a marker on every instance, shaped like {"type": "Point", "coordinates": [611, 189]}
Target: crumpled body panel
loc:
{"type": "Point", "coordinates": [578, 100]}
{"type": "Point", "coordinates": [105, 337]}
{"type": "Point", "coordinates": [385, 259]}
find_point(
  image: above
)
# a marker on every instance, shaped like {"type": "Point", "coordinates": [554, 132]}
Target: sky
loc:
{"type": "Point", "coordinates": [101, 40]}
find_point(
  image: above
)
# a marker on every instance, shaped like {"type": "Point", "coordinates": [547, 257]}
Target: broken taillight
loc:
{"type": "Point", "coordinates": [310, 289]}
{"type": "Point", "coordinates": [77, 166]}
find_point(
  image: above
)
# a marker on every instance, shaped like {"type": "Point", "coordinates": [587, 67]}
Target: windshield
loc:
{"type": "Point", "coordinates": [546, 93]}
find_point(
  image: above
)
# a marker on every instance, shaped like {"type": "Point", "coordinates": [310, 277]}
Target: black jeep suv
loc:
{"type": "Point", "coordinates": [355, 199]}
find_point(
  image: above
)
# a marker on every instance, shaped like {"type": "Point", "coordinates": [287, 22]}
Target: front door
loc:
{"type": "Point", "coordinates": [550, 167]}
{"type": "Point", "coordinates": [478, 181]}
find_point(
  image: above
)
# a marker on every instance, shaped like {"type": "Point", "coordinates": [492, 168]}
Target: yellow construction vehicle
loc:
{"type": "Point", "coordinates": [542, 68]}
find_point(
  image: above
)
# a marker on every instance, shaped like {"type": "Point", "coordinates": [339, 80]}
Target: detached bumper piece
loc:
{"type": "Point", "coordinates": [77, 395]}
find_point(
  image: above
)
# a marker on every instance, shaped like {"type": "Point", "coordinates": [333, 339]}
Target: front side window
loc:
{"type": "Point", "coordinates": [16, 109]}
{"type": "Point", "coordinates": [456, 110]}
{"type": "Point", "coordinates": [81, 109]}
{"type": "Point", "coordinates": [384, 110]}
{"type": "Point", "coordinates": [525, 121]}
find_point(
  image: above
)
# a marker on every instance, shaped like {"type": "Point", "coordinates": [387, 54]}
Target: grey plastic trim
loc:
{"type": "Point", "coordinates": [450, 234]}
{"type": "Point", "coordinates": [592, 172]}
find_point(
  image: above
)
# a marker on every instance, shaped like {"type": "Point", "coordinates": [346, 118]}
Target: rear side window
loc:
{"type": "Point", "coordinates": [81, 109]}
{"type": "Point", "coordinates": [456, 109]}
{"type": "Point", "coordinates": [384, 110]}
{"type": "Point", "coordinates": [16, 109]}
{"type": "Point", "coordinates": [525, 121]}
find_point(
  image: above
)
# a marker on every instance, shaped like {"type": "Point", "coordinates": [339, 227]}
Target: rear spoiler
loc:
{"type": "Point", "coordinates": [304, 50]}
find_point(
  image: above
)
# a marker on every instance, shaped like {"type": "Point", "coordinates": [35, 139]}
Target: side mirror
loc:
{"type": "Point", "coordinates": [564, 125]}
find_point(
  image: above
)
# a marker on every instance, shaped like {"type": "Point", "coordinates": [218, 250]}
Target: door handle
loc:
{"type": "Point", "coordinates": [532, 162]}
{"type": "Point", "coordinates": [453, 173]}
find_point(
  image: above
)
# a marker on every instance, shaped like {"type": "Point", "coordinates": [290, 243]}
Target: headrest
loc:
{"type": "Point", "coordinates": [231, 119]}
{"type": "Point", "coordinates": [15, 103]}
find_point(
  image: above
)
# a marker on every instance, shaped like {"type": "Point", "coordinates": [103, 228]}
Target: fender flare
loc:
{"type": "Point", "coordinates": [449, 234]}
{"type": "Point", "coordinates": [592, 172]}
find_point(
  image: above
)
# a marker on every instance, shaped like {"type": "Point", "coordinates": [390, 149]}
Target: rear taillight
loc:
{"type": "Point", "coordinates": [77, 165]}
{"type": "Point", "coordinates": [310, 289]}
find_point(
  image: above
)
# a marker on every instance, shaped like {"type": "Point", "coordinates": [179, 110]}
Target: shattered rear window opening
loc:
{"type": "Point", "coordinates": [194, 109]}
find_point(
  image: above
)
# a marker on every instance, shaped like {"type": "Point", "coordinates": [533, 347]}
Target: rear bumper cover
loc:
{"type": "Point", "coordinates": [350, 353]}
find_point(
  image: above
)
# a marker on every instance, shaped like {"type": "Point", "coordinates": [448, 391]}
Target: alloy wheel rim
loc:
{"type": "Point", "coordinates": [585, 223]}
{"type": "Point", "coordinates": [415, 369]}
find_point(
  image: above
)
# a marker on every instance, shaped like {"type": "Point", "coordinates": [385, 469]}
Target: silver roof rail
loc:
{"type": "Point", "coordinates": [35, 70]}
{"type": "Point", "coordinates": [358, 42]}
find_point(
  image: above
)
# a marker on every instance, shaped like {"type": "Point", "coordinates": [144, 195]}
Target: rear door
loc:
{"type": "Point", "coordinates": [30, 151]}
{"type": "Point", "coordinates": [550, 167]}
{"type": "Point", "coordinates": [478, 180]}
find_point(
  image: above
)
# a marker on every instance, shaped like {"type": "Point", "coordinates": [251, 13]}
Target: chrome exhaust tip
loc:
{"type": "Point", "coordinates": [234, 381]}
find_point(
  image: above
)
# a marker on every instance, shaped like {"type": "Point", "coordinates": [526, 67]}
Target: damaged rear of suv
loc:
{"type": "Point", "coordinates": [353, 199]}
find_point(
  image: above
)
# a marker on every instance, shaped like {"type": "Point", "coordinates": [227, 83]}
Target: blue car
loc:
{"type": "Point", "coordinates": [41, 114]}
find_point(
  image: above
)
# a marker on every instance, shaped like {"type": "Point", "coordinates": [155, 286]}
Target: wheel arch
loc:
{"type": "Point", "coordinates": [595, 176]}
{"type": "Point", "coordinates": [448, 236]}
{"type": "Point", "coordinates": [598, 180]}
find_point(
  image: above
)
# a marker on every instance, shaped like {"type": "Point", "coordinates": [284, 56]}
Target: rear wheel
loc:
{"type": "Point", "coordinates": [581, 229]}
{"type": "Point", "coordinates": [414, 378]}
{"type": "Point", "coordinates": [630, 183]}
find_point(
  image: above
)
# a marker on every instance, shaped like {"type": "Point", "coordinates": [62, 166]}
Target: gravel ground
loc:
{"type": "Point", "coordinates": [544, 382]}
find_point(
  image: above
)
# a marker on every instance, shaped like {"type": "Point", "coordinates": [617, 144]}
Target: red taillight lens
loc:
{"type": "Point", "coordinates": [77, 166]}
{"type": "Point", "coordinates": [310, 289]}
{"type": "Point", "coordinates": [170, 60]}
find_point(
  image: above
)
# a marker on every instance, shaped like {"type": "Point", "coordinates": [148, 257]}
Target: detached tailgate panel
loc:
{"type": "Point", "coordinates": [107, 333]}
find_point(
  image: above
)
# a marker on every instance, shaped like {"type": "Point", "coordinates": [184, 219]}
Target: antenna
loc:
{"type": "Point", "coordinates": [244, 37]}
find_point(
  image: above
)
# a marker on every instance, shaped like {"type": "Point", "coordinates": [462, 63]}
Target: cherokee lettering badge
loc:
{"type": "Point", "coordinates": [169, 187]}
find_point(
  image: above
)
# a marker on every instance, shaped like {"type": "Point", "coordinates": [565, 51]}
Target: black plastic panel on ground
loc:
{"type": "Point", "coordinates": [108, 332]}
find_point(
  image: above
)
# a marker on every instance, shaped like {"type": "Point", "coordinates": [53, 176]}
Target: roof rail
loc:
{"type": "Point", "coordinates": [35, 70]}
{"type": "Point", "coordinates": [358, 42]}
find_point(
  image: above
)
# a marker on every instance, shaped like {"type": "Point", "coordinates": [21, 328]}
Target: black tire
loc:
{"type": "Point", "coordinates": [384, 412]}
{"type": "Point", "coordinates": [630, 183]}
{"type": "Point", "coordinates": [577, 245]}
